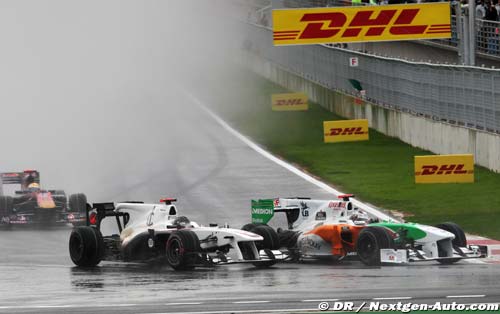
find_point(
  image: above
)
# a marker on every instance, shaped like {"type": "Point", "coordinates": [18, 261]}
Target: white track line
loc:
{"type": "Point", "coordinates": [323, 300]}
{"type": "Point", "coordinates": [466, 296]}
{"type": "Point", "coordinates": [251, 302]}
{"type": "Point", "coordinates": [393, 298]}
{"type": "Point", "coordinates": [375, 212]}
{"type": "Point", "coordinates": [242, 311]}
{"type": "Point", "coordinates": [184, 303]}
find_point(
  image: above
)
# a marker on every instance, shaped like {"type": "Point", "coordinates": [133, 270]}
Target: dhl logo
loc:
{"type": "Point", "coordinates": [289, 102]}
{"type": "Point", "coordinates": [346, 131]}
{"type": "Point", "coordinates": [443, 170]}
{"type": "Point", "coordinates": [394, 22]}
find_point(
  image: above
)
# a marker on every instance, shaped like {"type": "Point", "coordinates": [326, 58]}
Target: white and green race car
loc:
{"type": "Point", "coordinates": [336, 228]}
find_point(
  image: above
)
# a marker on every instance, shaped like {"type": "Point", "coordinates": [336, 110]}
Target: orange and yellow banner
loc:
{"type": "Point", "coordinates": [356, 24]}
{"type": "Point", "coordinates": [444, 169]}
{"type": "Point", "coordinates": [345, 131]}
{"type": "Point", "coordinates": [289, 102]}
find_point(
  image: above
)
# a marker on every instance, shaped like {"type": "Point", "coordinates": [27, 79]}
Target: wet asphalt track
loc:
{"type": "Point", "coordinates": [214, 175]}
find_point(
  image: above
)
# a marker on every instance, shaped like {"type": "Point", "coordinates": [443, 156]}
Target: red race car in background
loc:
{"type": "Point", "coordinates": [32, 205]}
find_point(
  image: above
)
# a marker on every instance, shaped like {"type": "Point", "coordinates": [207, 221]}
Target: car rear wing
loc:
{"type": "Point", "coordinates": [16, 177]}
{"type": "Point", "coordinates": [103, 210]}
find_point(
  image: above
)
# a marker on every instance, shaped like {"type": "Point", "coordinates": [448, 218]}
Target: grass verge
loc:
{"type": "Point", "coordinates": [379, 171]}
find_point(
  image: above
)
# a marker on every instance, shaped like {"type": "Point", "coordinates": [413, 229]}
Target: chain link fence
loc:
{"type": "Point", "coordinates": [467, 96]}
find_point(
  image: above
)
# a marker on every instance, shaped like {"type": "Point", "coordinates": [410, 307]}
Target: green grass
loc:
{"type": "Point", "coordinates": [379, 171]}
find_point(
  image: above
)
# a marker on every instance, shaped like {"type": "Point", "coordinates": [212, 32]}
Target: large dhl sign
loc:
{"type": "Point", "coordinates": [345, 131]}
{"type": "Point", "coordinates": [289, 102]}
{"type": "Point", "coordinates": [444, 169]}
{"type": "Point", "coordinates": [354, 24]}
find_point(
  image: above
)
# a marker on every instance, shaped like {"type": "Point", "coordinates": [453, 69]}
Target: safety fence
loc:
{"type": "Point", "coordinates": [466, 96]}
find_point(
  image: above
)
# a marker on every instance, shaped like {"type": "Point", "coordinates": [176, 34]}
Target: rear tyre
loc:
{"type": "Point", "coordinates": [6, 205]}
{"type": "Point", "coordinates": [86, 246]}
{"type": "Point", "coordinates": [183, 248]}
{"type": "Point", "coordinates": [77, 203]}
{"type": "Point", "coordinates": [460, 239]}
{"type": "Point", "coordinates": [370, 241]}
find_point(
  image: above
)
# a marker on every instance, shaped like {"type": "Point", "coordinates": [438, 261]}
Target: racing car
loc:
{"type": "Point", "coordinates": [148, 232]}
{"type": "Point", "coordinates": [32, 205]}
{"type": "Point", "coordinates": [336, 228]}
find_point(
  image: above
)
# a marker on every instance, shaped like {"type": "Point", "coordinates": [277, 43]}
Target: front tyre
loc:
{"type": "Point", "coordinates": [86, 246]}
{"type": "Point", "coordinates": [370, 241]}
{"type": "Point", "coordinates": [271, 240]}
{"type": "Point", "coordinates": [460, 239]}
{"type": "Point", "coordinates": [183, 247]}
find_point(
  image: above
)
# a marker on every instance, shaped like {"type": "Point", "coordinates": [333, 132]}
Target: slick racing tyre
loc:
{"type": "Point", "coordinates": [370, 241]}
{"type": "Point", "coordinates": [6, 205]}
{"type": "Point", "coordinates": [86, 246]}
{"type": "Point", "coordinates": [460, 239]}
{"type": "Point", "coordinates": [183, 247]}
{"type": "Point", "coordinates": [77, 203]}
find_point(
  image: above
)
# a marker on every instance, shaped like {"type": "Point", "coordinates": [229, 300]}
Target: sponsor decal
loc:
{"type": "Point", "coordinates": [360, 24]}
{"type": "Point", "coordinates": [262, 210]}
{"type": "Point", "coordinates": [289, 102]}
{"type": "Point", "coordinates": [307, 242]}
{"type": "Point", "coordinates": [305, 209]}
{"type": "Point", "coordinates": [321, 215]}
{"type": "Point", "coordinates": [345, 131]}
{"type": "Point", "coordinates": [444, 169]}
{"type": "Point", "coordinates": [337, 205]}
{"type": "Point", "coordinates": [276, 202]}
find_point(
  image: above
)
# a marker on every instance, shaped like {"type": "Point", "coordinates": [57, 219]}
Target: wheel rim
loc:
{"type": "Point", "coordinates": [76, 247]}
{"type": "Point", "coordinates": [366, 248]}
{"type": "Point", "coordinates": [175, 251]}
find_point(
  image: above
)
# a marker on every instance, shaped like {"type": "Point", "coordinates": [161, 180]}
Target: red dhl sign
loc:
{"type": "Point", "coordinates": [444, 168]}
{"type": "Point", "coordinates": [289, 102]}
{"type": "Point", "coordinates": [355, 24]}
{"type": "Point", "coordinates": [345, 131]}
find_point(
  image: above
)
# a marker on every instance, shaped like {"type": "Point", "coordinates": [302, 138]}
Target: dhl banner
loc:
{"type": "Point", "coordinates": [345, 131]}
{"type": "Point", "coordinates": [355, 24]}
{"type": "Point", "coordinates": [444, 168]}
{"type": "Point", "coordinates": [289, 102]}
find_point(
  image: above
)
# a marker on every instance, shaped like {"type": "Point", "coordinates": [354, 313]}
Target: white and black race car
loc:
{"type": "Point", "coordinates": [149, 232]}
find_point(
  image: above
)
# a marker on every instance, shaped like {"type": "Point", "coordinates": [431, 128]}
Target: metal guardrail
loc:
{"type": "Point", "coordinates": [462, 95]}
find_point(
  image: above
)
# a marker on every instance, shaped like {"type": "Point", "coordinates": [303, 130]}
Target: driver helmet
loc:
{"type": "Point", "coordinates": [34, 187]}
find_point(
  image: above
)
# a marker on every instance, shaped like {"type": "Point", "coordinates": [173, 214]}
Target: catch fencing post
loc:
{"type": "Point", "coordinates": [472, 32]}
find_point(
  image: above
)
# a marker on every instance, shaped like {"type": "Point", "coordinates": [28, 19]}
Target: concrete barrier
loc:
{"type": "Point", "coordinates": [418, 131]}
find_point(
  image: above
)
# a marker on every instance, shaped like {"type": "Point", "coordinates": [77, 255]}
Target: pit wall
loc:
{"type": "Point", "coordinates": [418, 131]}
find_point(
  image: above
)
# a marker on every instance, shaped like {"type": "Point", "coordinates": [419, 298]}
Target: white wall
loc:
{"type": "Point", "coordinates": [438, 137]}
